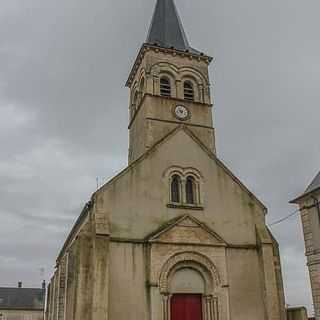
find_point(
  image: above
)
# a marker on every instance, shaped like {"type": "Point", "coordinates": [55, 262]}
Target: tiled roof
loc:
{"type": "Point", "coordinates": [22, 298]}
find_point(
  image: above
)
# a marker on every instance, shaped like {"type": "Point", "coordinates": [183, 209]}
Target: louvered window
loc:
{"type": "Point", "coordinates": [165, 87]}
{"type": "Point", "coordinates": [188, 91]}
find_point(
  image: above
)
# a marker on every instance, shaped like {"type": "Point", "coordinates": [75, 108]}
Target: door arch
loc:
{"type": "Point", "coordinates": [187, 283]}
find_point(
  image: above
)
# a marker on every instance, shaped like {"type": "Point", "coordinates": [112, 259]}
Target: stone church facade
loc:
{"type": "Point", "coordinates": [175, 235]}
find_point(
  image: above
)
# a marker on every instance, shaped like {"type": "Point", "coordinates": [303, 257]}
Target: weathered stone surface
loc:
{"type": "Point", "coordinates": [133, 239]}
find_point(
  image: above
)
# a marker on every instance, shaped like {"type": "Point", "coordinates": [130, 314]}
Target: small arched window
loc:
{"type": "Point", "coordinates": [165, 87]}
{"type": "Point", "coordinates": [190, 190]}
{"type": "Point", "coordinates": [175, 189]}
{"type": "Point", "coordinates": [188, 91]}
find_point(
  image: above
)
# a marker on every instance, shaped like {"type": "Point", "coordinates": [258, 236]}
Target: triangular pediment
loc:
{"type": "Point", "coordinates": [187, 230]}
{"type": "Point", "coordinates": [171, 135]}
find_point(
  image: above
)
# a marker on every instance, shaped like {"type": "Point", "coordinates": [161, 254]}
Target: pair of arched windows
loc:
{"type": "Point", "coordinates": [165, 89]}
{"type": "Point", "coordinates": [188, 189]}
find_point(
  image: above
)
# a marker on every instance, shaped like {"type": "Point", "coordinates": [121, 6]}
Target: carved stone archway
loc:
{"type": "Point", "coordinates": [208, 271]}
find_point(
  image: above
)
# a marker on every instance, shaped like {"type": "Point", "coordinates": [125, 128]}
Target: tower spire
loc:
{"type": "Point", "coordinates": [166, 28]}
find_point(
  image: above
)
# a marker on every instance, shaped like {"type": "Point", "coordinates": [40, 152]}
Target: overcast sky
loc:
{"type": "Point", "coordinates": [63, 66]}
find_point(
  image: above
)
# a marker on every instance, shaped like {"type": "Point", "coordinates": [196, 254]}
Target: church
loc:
{"type": "Point", "coordinates": [175, 235]}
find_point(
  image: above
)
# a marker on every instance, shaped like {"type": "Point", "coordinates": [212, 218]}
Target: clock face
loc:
{"type": "Point", "coordinates": [181, 112]}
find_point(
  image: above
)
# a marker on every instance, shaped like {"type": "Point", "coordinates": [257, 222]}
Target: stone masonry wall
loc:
{"type": "Point", "coordinates": [308, 216]}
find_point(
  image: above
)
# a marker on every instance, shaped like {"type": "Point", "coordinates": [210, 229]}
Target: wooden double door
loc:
{"type": "Point", "coordinates": [186, 307]}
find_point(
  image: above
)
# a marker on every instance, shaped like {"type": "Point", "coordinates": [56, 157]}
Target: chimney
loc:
{"type": "Point", "coordinates": [44, 284]}
{"type": "Point", "coordinates": [20, 284]}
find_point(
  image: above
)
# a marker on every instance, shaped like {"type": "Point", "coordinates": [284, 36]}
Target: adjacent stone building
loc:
{"type": "Point", "coordinates": [22, 303]}
{"type": "Point", "coordinates": [175, 235]}
{"type": "Point", "coordinates": [309, 203]}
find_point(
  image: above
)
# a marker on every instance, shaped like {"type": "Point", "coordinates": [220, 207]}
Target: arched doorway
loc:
{"type": "Point", "coordinates": [187, 288]}
{"type": "Point", "coordinates": [188, 284]}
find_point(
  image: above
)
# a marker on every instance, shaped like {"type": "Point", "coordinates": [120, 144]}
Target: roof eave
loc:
{"type": "Point", "coordinates": [305, 195]}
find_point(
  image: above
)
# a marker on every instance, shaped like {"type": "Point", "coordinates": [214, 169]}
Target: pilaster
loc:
{"type": "Point", "coordinates": [83, 289]}
{"type": "Point", "coordinates": [270, 283]}
{"type": "Point", "coordinates": [100, 265]}
{"type": "Point", "coordinates": [100, 278]}
{"type": "Point", "coordinates": [62, 288]}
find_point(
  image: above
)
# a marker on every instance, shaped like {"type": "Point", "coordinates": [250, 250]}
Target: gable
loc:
{"type": "Point", "coordinates": [187, 230]}
{"type": "Point", "coordinates": [136, 201]}
{"type": "Point", "coordinates": [180, 136]}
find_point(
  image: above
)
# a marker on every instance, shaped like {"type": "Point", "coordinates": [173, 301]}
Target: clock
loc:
{"type": "Point", "coordinates": [181, 113]}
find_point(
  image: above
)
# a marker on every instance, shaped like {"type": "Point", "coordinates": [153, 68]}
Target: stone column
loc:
{"type": "Point", "coordinates": [179, 89]}
{"type": "Point", "coordinates": [206, 94]}
{"type": "Point", "coordinates": [166, 307]}
{"type": "Point", "coordinates": [149, 84]}
{"type": "Point", "coordinates": [211, 311]}
{"type": "Point", "coordinates": [216, 308]}
{"type": "Point", "coordinates": [156, 85]}
{"type": "Point", "coordinates": [200, 93]}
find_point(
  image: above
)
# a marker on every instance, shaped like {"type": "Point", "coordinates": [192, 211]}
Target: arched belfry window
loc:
{"type": "Point", "coordinates": [190, 190]}
{"type": "Point", "coordinates": [188, 91]}
{"type": "Point", "coordinates": [165, 87]}
{"type": "Point", "coordinates": [175, 189]}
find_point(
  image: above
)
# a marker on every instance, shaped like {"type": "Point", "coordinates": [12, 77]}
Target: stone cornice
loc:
{"type": "Point", "coordinates": [146, 47]}
{"type": "Point", "coordinates": [146, 242]}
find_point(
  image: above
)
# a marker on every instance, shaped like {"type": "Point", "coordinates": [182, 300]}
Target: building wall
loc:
{"type": "Point", "coordinates": [311, 228]}
{"type": "Point", "coordinates": [21, 315]}
{"type": "Point", "coordinates": [227, 209]}
{"type": "Point", "coordinates": [245, 277]}
{"type": "Point", "coordinates": [133, 206]}
{"type": "Point", "coordinates": [239, 270]}
{"type": "Point", "coordinates": [128, 282]}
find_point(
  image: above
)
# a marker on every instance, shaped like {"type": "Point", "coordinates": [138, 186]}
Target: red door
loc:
{"type": "Point", "coordinates": [186, 307]}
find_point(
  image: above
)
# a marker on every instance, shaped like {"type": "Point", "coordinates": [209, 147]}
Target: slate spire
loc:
{"type": "Point", "coordinates": [166, 28]}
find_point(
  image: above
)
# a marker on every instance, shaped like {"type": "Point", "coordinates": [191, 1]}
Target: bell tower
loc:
{"type": "Point", "coordinates": [169, 85]}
